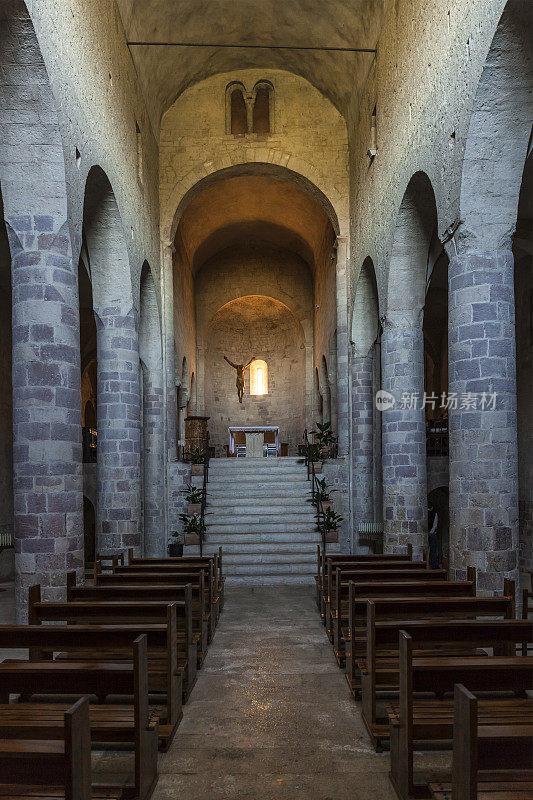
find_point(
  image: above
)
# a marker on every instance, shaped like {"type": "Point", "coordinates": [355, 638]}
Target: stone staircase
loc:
{"type": "Point", "coordinates": [259, 510]}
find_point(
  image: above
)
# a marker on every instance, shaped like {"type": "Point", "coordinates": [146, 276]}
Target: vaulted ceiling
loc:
{"type": "Point", "coordinates": [165, 72]}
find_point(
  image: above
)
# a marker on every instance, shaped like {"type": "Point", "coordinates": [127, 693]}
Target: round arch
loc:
{"type": "Point", "coordinates": [365, 313]}
{"type": "Point", "coordinates": [301, 174]}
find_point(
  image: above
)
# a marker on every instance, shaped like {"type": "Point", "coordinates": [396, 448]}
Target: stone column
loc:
{"type": "Point", "coordinates": [153, 461]}
{"type": "Point", "coordinates": [47, 455]}
{"type": "Point", "coordinates": [342, 274]}
{"type": "Point", "coordinates": [310, 421]}
{"type": "Point", "coordinates": [404, 437]}
{"type": "Point", "coordinates": [362, 374]}
{"type": "Point", "coordinates": [119, 431]}
{"type": "Point", "coordinates": [167, 314]}
{"type": "Point", "coordinates": [483, 443]}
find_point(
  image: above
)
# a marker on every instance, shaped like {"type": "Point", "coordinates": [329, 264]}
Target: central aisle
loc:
{"type": "Point", "coordinates": [271, 715]}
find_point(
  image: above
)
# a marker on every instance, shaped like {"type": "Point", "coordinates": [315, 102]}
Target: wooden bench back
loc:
{"type": "Point", "coordinates": [216, 559]}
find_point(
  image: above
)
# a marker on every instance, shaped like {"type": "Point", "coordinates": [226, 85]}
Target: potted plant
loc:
{"type": "Point", "coordinates": [325, 439]}
{"type": "Point", "coordinates": [323, 493]}
{"type": "Point", "coordinates": [175, 546]}
{"type": "Point", "coordinates": [192, 528]}
{"type": "Point", "coordinates": [331, 522]}
{"type": "Point", "coordinates": [196, 457]}
{"type": "Point", "coordinates": [314, 458]}
{"type": "Point", "coordinates": [194, 499]}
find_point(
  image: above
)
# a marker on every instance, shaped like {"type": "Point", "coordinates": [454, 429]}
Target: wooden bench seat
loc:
{"type": "Point", "coordinates": [422, 583]}
{"type": "Point", "coordinates": [171, 575]}
{"type": "Point", "coordinates": [128, 589]}
{"type": "Point", "coordinates": [188, 640]}
{"type": "Point", "coordinates": [62, 764]}
{"type": "Point", "coordinates": [216, 558]}
{"type": "Point", "coordinates": [414, 608]}
{"type": "Point", "coordinates": [166, 681]}
{"type": "Point", "coordinates": [134, 724]}
{"type": "Point", "coordinates": [502, 744]}
{"type": "Point", "coordinates": [414, 720]}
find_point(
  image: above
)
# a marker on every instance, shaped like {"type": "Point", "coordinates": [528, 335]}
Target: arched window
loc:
{"type": "Point", "coordinates": [258, 377]}
{"type": "Point", "coordinates": [239, 123]}
{"type": "Point", "coordinates": [262, 113]}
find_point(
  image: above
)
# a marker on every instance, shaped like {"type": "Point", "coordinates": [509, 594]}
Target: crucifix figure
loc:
{"type": "Point", "coordinates": [241, 369]}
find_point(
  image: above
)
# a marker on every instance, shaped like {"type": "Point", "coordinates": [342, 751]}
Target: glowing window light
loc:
{"type": "Point", "coordinates": [258, 378]}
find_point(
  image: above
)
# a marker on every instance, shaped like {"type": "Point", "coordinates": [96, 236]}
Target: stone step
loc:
{"type": "Point", "coordinates": [270, 569]}
{"type": "Point", "coordinates": [269, 580]}
{"type": "Point", "coordinates": [259, 514]}
{"type": "Point", "coordinates": [288, 549]}
{"type": "Point", "coordinates": [256, 526]}
{"type": "Point", "coordinates": [215, 540]}
{"type": "Point", "coordinates": [247, 478]}
{"type": "Point", "coordinates": [272, 557]}
{"type": "Point", "coordinates": [263, 495]}
{"type": "Point", "coordinates": [265, 463]}
{"type": "Point", "coordinates": [265, 500]}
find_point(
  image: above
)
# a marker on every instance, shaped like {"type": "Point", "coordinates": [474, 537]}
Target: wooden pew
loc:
{"type": "Point", "coordinates": [321, 576]}
{"type": "Point", "coordinates": [418, 586]}
{"type": "Point", "coordinates": [380, 668]}
{"type": "Point", "coordinates": [163, 562]}
{"type": "Point", "coordinates": [334, 563]}
{"type": "Point", "coordinates": [169, 570]}
{"type": "Point", "coordinates": [164, 681]}
{"type": "Point", "coordinates": [59, 768]}
{"type": "Point", "coordinates": [415, 720]}
{"type": "Point", "coordinates": [414, 608]}
{"type": "Point", "coordinates": [135, 725]}
{"type": "Point", "coordinates": [490, 762]}
{"type": "Point", "coordinates": [203, 609]}
{"type": "Point", "coordinates": [189, 635]}
{"type": "Point", "coordinates": [366, 580]}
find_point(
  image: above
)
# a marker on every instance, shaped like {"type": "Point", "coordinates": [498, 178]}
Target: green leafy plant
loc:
{"type": "Point", "coordinates": [332, 520]}
{"type": "Point", "coordinates": [196, 456]}
{"type": "Point", "coordinates": [177, 537]}
{"type": "Point", "coordinates": [322, 492]}
{"type": "Point", "coordinates": [193, 494]}
{"type": "Point", "coordinates": [314, 453]}
{"type": "Point", "coordinates": [191, 524]}
{"type": "Point", "coordinates": [324, 435]}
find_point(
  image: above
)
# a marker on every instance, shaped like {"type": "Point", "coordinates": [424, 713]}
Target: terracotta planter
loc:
{"type": "Point", "coordinates": [318, 467]}
{"type": "Point", "coordinates": [197, 469]}
{"type": "Point", "coordinates": [193, 508]}
{"type": "Point", "coordinates": [192, 538]}
{"type": "Point", "coordinates": [332, 536]}
{"type": "Point", "coordinates": [327, 504]}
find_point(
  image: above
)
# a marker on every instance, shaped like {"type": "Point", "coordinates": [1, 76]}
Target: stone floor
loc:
{"type": "Point", "coordinates": [270, 717]}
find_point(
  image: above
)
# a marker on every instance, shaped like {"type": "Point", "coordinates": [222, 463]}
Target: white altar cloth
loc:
{"type": "Point", "coordinates": [252, 429]}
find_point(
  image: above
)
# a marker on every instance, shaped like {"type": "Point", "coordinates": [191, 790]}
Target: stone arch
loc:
{"type": "Point", "coordinates": [151, 357]}
{"type": "Point", "coordinates": [46, 359]}
{"type": "Point", "coordinates": [499, 133]}
{"type": "Point", "coordinates": [402, 360]}
{"type": "Point", "coordinates": [416, 224]}
{"type": "Point", "coordinates": [184, 396]}
{"type": "Point", "coordinates": [300, 173]}
{"type": "Point", "coordinates": [106, 244]}
{"type": "Point", "coordinates": [325, 390]}
{"type": "Point", "coordinates": [365, 314]}
{"type": "Point", "coordinates": [119, 523]}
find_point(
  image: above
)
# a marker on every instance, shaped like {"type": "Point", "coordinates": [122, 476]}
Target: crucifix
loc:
{"type": "Point", "coordinates": [241, 369]}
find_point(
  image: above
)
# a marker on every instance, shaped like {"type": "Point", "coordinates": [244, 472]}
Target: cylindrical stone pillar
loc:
{"type": "Point", "coordinates": [47, 454]}
{"type": "Point", "coordinates": [153, 462]}
{"type": "Point", "coordinates": [404, 438]}
{"type": "Point", "coordinates": [119, 431]}
{"type": "Point", "coordinates": [362, 375]}
{"type": "Point", "coordinates": [482, 418]}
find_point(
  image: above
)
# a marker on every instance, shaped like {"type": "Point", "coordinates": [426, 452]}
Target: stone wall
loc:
{"type": "Point", "coordinates": [264, 328]}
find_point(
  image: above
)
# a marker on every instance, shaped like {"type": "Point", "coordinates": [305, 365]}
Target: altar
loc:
{"type": "Point", "coordinates": [251, 441]}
